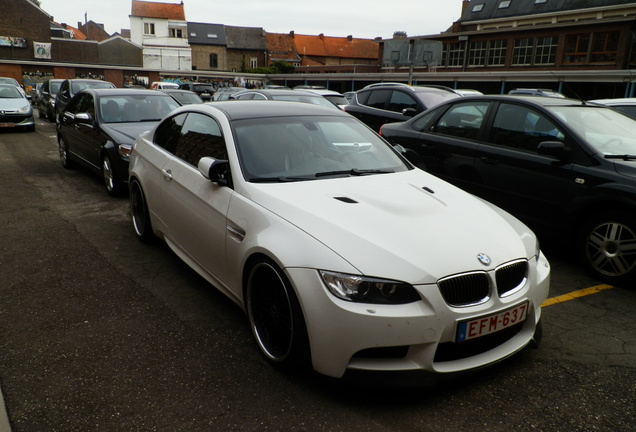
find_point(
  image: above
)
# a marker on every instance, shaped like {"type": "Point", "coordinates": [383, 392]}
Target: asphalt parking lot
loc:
{"type": "Point", "coordinates": [99, 332]}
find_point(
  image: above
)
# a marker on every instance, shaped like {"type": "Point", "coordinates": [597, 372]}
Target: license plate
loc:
{"type": "Point", "coordinates": [7, 124]}
{"type": "Point", "coordinates": [482, 326]}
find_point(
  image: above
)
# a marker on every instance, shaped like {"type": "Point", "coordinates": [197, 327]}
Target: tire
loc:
{"type": "Point", "coordinates": [40, 113]}
{"type": "Point", "coordinates": [114, 186]}
{"type": "Point", "coordinates": [140, 214]}
{"type": "Point", "coordinates": [50, 115]}
{"type": "Point", "coordinates": [65, 156]}
{"type": "Point", "coordinates": [275, 317]}
{"type": "Point", "coordinates": [607, 245]}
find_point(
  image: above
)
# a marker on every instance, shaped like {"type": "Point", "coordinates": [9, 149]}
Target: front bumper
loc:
{"type": "Point", "coordinates": [417, 336]}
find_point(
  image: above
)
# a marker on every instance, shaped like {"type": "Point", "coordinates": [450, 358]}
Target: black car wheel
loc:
{"type": "Point", "coordinates": [112, 183]}
{"type": "Point", "coordinates": [65, 157]}
{"type": "Point", "coordinates": [40, 113]}
{"type": "Point", "coordinates": [139, 212]}
{"type": "Point", "coordinates": [275, 316]}
{"type": "Point", "coordinates": [607, 245]}
{"type": "Point", "coordinates": [50, 115]}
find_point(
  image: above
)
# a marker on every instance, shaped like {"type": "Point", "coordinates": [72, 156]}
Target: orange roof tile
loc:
{"type": "Point", "coordinates": [169, 11]}
{"type": "Point", "coordinates": [344, 47]}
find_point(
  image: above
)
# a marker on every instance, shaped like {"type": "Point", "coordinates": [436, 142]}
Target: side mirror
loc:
{"type": "Point", "coordinates": [409, 112]}
{"type": "Point", "coordinates": [555, 149]}
{"type": "Point", "coordinates": [84, 118]}
{"type": "Point", "coordinates": [215, 170]}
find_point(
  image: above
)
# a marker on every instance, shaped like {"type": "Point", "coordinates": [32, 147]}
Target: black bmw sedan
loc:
{"type": "Point", "coordinates": [98, 126]}
{"type": "Point", "coordinates": [563, 166]}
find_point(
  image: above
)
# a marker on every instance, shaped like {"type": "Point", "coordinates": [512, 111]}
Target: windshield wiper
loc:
{"type": "Point", "coordinates": [279, 179]}
{"type": "Point", "coordinates": [354, 172]}
{"type": "Point", "coordinates": [625, 157]}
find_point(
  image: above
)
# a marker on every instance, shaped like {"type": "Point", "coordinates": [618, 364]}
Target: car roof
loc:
{"type": "Point", "coordinates": [122, 91]}
{"type": "Point", "coordinates": [246, 109]}
{"type": "Point", "coordinates": [530, 99]}
{"type": "Point", "coordinates": [280, 92]}
{"type": "Point", "coordinates": [615, 101]}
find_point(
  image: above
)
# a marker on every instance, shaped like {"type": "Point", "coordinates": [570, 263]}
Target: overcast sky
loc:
{"type": "Point", "coordinates": [364, 19]}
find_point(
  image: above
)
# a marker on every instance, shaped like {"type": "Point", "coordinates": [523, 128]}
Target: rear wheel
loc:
{"type": "Point", "coordinates": [276, 317]}
{"type": "Point", "coordinates": [607, 246]}
{"type": "Point", "coordinates": [139, 212]}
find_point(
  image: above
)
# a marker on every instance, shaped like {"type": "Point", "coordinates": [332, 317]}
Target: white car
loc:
{"type": "Point", "coordinates": [337, 248]}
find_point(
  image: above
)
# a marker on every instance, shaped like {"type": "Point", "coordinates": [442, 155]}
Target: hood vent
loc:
{"type": "Point", "coordinates": [346, 200]}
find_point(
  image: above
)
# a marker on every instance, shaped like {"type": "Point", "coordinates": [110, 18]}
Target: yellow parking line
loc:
{"type": "Point", "coordinates": [575, 294]}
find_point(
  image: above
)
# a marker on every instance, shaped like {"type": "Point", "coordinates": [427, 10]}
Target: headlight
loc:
{"type": "Point", "coordinates": [25, 109]}
{"type": "Point", "coordinates": [362, 289]}
{"type": "Point", "coordinates": [125, 150]}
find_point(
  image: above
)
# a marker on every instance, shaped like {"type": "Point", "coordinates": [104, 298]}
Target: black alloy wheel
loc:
{"type": "Point", "coordinates": [112, 183]}
{"type": "Point", "coordinates": [65, 157]}
{"type": "Point", "coordinates": [276, 317]}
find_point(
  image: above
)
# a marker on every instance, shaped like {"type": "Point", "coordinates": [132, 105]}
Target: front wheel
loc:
{"type": "Point", "coordinates": [276, 317]}
{"type": "Point", "coordinates": [113, 185]}
{"type": "Point", "coordinates": [65, 157]}
{"type": "Point", "coordinates": [607, 246]}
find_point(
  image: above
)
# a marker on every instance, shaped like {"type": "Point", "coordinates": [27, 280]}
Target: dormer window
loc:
{"type": "Point", "coordinates": [212, 36]}
{"type": "Point", "coordinates": [478, 7]}
{"type": "Point", "coordinates": [540, 1]}
{"type": "Point", "coordinates": [504, 4]}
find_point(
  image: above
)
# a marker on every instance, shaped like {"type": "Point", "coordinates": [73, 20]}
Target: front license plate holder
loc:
{"type": "Point", "coordinates": [487, 324]}
{"type": "Point", "coordinates": [7, 124]}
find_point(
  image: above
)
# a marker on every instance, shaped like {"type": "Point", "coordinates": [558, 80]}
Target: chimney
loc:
{"type": "Point", "coordinates": [321, 36]}
{"type": "Point", "coordinates": [291, 33]}
{"type": "Point", "coordinates": [350, 38]}
{"type": "Point", "coordinates": [465, 5]}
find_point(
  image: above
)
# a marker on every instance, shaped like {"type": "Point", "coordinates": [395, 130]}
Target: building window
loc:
{"type": "Point", "coordinates": [149, 28]}
{"type": "Point", "coordinates": [453, 54]}
{"type": "Point", "coordinates": [545, 53]}
{"type": "Point", "coordinates": [540, 1]}
{"type": "Point", "coordinates": [253, 62]}
{"type": "Point", "coordinates": [522, 52]}
{"type": "Point", "coordinates": [478, 7]}
{"type": "Point", "coordinates": [576, 47]}
{"type": "Point", "coordinates": [477, 53]}
{"type": "Point", "coordinates": [497, 53]}
{"type": "Point", "coordinates": [214, 61]}
{"type": "Point", "coordinates": [504, 4]}
{"type": "Point", "coordinates": [604, 47]}
{"type": "Point", "coordinates": [175, 32]}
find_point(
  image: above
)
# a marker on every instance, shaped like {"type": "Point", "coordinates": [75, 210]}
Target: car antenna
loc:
{"type": "Point", "coordinates": [576, 95]}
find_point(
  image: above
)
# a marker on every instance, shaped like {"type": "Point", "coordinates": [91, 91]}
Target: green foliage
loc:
{"type": "Point", "coordinates": [278, 67]}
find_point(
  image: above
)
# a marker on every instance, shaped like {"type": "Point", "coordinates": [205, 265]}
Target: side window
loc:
{"type": "Point", "coordinates": [423, 122]}
{"type": "Point", "coordinates": [259, 96]}
{"type": "Point", "coordinates": [377, 98]}
{"type": "Point", "coordinates": [362, 97]}
{"type": "Point", "coordinates": [167, 134]}
{"type": "Point", "coordinates": [200, 136]}
{"type": "Point", "coordinates": [400, 101]}
{"type": "Point", "coordinates": [463, 120]}
{"type": "Point", "coordinates": [245, 96]}
{"type": "Point", "coordinates": [522, 128]}
{"type": "Point", "coordinates": [86, 104]}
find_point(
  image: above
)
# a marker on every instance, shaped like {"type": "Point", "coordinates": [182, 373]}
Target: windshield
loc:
{"type": "Point", "coordinates": [9, 92]}
{"type": "Point", "coordinates": [306, 148]}
{"type": "Point", "coordinates": [135, 108]}
{"type": "Point", "coordinates": [608, 131]}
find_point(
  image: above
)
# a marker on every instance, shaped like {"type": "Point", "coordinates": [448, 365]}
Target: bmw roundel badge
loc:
{"type": "Point", "coordinates": [483, 258]}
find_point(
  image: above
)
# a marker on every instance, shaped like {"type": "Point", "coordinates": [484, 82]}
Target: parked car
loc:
{"type": "Point", "coordinates": [224, 93]}
{"type": "Point", "coordinates": [337, 248]}
{"type": "Point", "coordinates": [625, 105]}
{"type": "Point", "coordinates": [536, 92]}
{"type": "Point", "coordinates": [382, 103]}
{"type": "Point", "coordinates": [14, 82]}
{"type": "Point", "coordinates": [183, 97]}
{"type": "Point", "coordinates": [35, 93]}
{"type": "Point", "coordinates": [563, 166]}
{"type": "Point", "coordinates": [349, 96]}
{"type": "Point", "coordinates": [71, 87]}
{"type": "Point", "coordinates": [204, 90]}
{"type": "Point", "coordinates": [282, 95]}
{"type": "Point", "coordinates": [98, 126]}
{"type": "Point", "coordinates": [46, 101]}
{"type": "Point", "coordinates": [161, 85]}
{"type": "Point", "coordinates": [332, 96]}
{"type": "Point", "coordinates": [15, 109]}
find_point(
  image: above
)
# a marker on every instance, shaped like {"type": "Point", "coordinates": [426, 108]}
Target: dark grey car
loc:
{"type": "Point", "coordinates": [46, 100]}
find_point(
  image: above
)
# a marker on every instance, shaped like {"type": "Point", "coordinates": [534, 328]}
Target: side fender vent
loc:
{"type": "Point", "coordinates": [346, 200]}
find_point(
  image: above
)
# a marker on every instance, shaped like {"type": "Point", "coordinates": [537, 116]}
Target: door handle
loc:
{"type": "Point", "coordinates": [167, 174]}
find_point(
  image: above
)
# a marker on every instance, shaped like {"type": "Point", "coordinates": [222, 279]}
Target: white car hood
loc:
{"type": "Point", "coordinates": [409, 226]}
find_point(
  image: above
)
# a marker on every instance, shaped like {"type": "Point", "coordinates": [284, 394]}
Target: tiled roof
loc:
{"type": "Point", "coordinates": [77, 34]}
{"type": "Point", "coordinates": [252, 38]}
{"type": "Point", "coordinates": [343, 47]}
{"type": "Point", "coordinates": [206, 34]}
{"type": "Point", "coordinates": [490, 9]}
{"type": "Point", "coordinates": [170, 11]}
